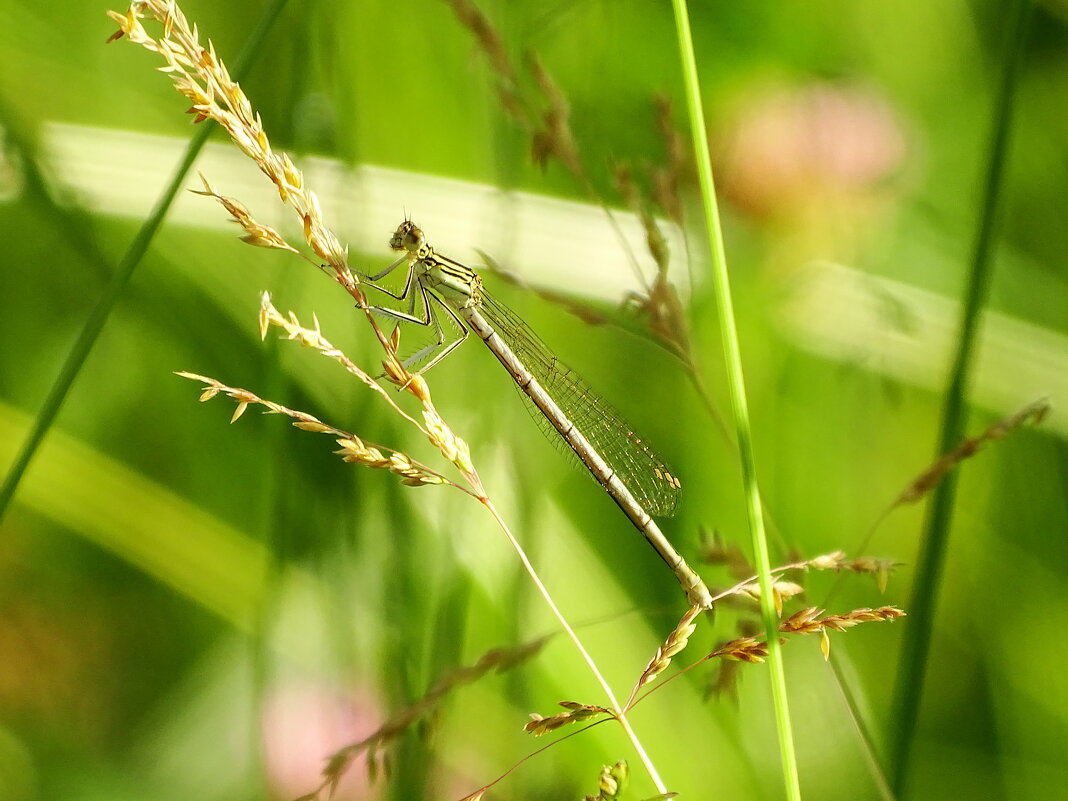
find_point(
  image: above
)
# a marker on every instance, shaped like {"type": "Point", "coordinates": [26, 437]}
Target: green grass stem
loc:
{"type": "Point", "coordinates": [934, 541]}
{"type": "Point", "coordinates": [739, 406]}
{"type": "Point", "coordinates": [98, 317]}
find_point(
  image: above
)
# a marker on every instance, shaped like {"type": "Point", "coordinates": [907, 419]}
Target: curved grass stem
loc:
{"type": "Point", "coordinates": [620, 712]}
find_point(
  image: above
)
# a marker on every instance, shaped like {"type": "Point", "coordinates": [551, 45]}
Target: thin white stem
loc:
{"type": "Point", "coordinates": [587, 658]}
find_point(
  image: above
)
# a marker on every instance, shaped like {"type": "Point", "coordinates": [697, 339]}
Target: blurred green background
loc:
{"type": "Point", "coordinates": [190, 609]}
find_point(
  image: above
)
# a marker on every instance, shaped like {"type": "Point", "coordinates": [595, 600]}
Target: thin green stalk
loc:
{"type": "Point", "coordinates": [935, 539]}
{"type": "Point", "coordinates": [621, 711]}
{"type": "Point", "coordinates": [98, 317]}
{"type": "Point", "coordinates": [736, 384]}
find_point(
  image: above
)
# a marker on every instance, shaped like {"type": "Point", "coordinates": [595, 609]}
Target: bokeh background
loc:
{"type": "Point", "coordinates": [192, 609]}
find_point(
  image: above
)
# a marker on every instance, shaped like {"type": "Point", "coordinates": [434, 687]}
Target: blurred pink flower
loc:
{"type": "Point", "coordinates": [303, 724]}
{"type": "Point", "coordinates": [791, 147]}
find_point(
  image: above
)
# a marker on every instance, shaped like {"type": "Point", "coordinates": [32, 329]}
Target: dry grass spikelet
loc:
{"type": "Point", "coordinates": [200, 76]}
{"type": "Point", "coordinates": [1034, 413]}
{"type": "Point", "coordinates": [716, 551]}
{"type": "Point", "coordinates": [829, 561]}
{"type": "Point", "coordinates": [491, 43]}
{"type": "Point", "coordinates": [575, 713]}
{"type": "Point", "coordinates": [396, 373]}
{"type": "Point", "coordinates": [804, 621]}
{"type": "Point", "coordinates": [495, 660]}
{"type": "Point", "coordinates": [353, 449]}
{"type": "Point", "coordinates": [838, 562]}
{"type": "Point", "coordinates": [808, 621]}
{"type": "Point", "coordinates": [661, 304]}
{"type": "Point", "coordinates": [554, 139]}
{"type": "Point", "coordinates": [744, 649]}
{"type": "Point", "coordinates": [655, 241]}
{"type": "Point", "coordinates": [452, 447]}
{"type": "Point", "coordinates": [673, 645]}
{"type": "Point", "coordinates": [611, 782]}
{"type": "Point", "coordinates": [752, 648]}
{"type": "Point", "coordinates": [784, 590]}
{"type": "Point", "coordinates": [313, 338]}
{"type": "Point", "coordinates": [551, 133]}
{"type": "Point", "coordinates": [781, 591]}
{"type": "Point", "coordinates": [256, 234]}
{"type": "Point", "coordinates": [667, 181]}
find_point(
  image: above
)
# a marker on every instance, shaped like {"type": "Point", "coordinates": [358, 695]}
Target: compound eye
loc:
{"type": "Point", "coordinates": [413, 238]}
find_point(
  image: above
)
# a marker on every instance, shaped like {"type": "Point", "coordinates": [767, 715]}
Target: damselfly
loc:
{"type": "Point", "coordinates": [630, 472]}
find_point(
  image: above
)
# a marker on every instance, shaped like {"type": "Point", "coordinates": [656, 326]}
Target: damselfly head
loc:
{"type": "Point", "coordinates": [408, 236]}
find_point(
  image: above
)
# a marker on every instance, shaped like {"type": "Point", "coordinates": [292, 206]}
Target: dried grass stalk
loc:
{"type": "Point", "coordinates": [199, 75]}
{"type": "Point", "coordinates": [1034, 413]}
{"type": "Point", "coordinates": [575, 713]}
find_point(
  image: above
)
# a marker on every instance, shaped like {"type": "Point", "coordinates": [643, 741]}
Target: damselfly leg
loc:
{"type": "Point", "coordinates": [415, 293]}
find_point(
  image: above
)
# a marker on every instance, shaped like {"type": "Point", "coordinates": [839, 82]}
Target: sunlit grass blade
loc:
{"type": "Point", "coordinates": [213, 565]}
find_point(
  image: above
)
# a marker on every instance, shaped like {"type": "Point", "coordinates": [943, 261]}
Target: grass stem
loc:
{"type": "Point", "coordinates": [916, 647]}
{"type": "Point", "coordinates": [739, 405]}
{"type": "Point", "coordinates": [98, 317]}
{"type": "Point", "coordinates": [621, 711]}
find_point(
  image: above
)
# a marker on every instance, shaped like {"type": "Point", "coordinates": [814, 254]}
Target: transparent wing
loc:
{"type": "Point", "coordinates": [643, 472]}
